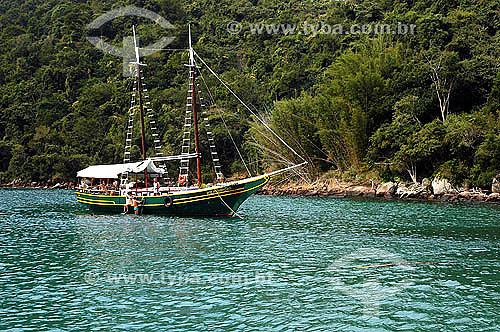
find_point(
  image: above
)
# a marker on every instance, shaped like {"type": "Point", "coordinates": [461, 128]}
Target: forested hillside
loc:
{"type": "Point", "coordinates": [403, 106]}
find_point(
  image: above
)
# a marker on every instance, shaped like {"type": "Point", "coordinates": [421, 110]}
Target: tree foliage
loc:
{"type": "Point", "coordinates": [340, 100]}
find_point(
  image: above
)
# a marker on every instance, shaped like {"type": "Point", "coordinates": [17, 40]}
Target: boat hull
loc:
{"type": "Point", "coordinates": [213, 201]}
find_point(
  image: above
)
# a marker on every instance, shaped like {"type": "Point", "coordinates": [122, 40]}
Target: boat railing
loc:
{"type": "Point", "coordinates": [140, 192]}
{"type": "Point", "coordinates": [99, 191]}
{"type": "Point", "coordinates": [143, 192]}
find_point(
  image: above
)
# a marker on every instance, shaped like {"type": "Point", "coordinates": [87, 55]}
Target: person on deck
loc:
{"type": "Point", "coordinates": [156, 186]}
{"type": "Point", "coordinates": [136, 205]}
{"type": "Point", "coordinates": [128, 201]}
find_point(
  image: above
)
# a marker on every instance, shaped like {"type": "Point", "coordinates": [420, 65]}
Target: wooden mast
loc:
{"type": "Point", "coordinates": [141, 107]}
{"type": "Point", "coordinates": [192, 67]}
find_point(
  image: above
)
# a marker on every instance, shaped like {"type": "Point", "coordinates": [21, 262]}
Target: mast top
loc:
{"type": "Point", "coordinates": [138, 65]}
{"type": "Point", "coordinates": [136, 48]}
{"type": "Point", "coordinates": [191, 51]}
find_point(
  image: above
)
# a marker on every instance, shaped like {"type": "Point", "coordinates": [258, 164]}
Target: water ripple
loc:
{"type": "Point", "coordinates": [292, 264]}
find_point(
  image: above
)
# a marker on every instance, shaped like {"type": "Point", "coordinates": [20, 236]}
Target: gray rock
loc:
{"type": "Point", "coordinates": [442, 186]}
{"type": "Point", "coordinates": [493, 197]}
{"type": "Point", "coordinates": [358, 191]}
{"type": "Point", "coordinates": [387, 189]}
{"type": "Point", "coordinates": [495, 187]}
{"type": "Point", "coordinates": [402, 190]}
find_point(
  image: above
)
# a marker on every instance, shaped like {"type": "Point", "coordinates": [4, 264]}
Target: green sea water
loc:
{"type": "Point", "coordinates": [291, 264]}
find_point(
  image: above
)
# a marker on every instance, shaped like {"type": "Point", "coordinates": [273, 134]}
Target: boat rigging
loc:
{"type": "Point", "coordinates": [183, 196]}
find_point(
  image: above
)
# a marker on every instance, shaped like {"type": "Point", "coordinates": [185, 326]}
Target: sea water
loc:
{"type": "Point", "coordinates": [291, 264]}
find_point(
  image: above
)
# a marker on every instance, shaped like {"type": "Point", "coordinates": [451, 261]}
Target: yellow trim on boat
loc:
{"type": "Point", "coordinates": [97, 201]}
{"type": "Point", "coordinates": [240, 191]}
{"type": "Point", "coordinates": [95, 195]}
{"type": "Point", "coordinates": [211, 196]}
{"type": "Point", "coordinates": [224, 189]}
{"type": "Point", "coordinates": [186, 200]}
{"type": "Point", "coordinates": [190, 192]}
{"type": "Point", "coordinates": [92, 203]}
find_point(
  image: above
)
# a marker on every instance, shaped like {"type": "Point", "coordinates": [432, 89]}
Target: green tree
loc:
{"type": "Point", "coordinates": [359, 89]}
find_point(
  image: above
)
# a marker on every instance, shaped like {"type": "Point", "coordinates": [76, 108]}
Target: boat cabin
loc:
{"type": "Point", "coordinates": [105, 179]}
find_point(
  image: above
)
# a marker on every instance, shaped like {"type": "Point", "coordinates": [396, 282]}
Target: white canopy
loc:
{"type": "Point", "coordinates": [113, 171]}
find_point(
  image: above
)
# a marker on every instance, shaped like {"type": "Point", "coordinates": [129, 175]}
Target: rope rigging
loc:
{"type": "Point", "coordinates": [212, 100]}
{"type": "Point", "coordinates": [152, 126]}
{"type": "Point", "coordinates": [248, 108]}
{"type": "Point", "coordinates": [194, 94]}
{"type": "Point", "coordinates": [211, 139]}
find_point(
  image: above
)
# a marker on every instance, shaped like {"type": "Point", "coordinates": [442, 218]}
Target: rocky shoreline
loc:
{"type": "Point", "coordinates": [38, 185]}
{"type": "Point", "coordinates": [439, 190]}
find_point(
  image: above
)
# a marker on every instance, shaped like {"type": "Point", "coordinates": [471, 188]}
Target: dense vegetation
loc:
{"type": "Point", "coordinates": [353, 103]}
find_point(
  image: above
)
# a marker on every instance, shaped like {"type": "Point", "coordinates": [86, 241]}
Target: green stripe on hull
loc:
{"type": "Point", "coordinates": [203, 202]}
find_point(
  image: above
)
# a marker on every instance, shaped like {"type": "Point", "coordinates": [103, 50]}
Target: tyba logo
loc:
{"type": "Point", "coordinates": [127, 51]}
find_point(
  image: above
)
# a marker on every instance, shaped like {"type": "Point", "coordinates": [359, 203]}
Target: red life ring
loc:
{"type": "Point", "coordinates": [182, 178]}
